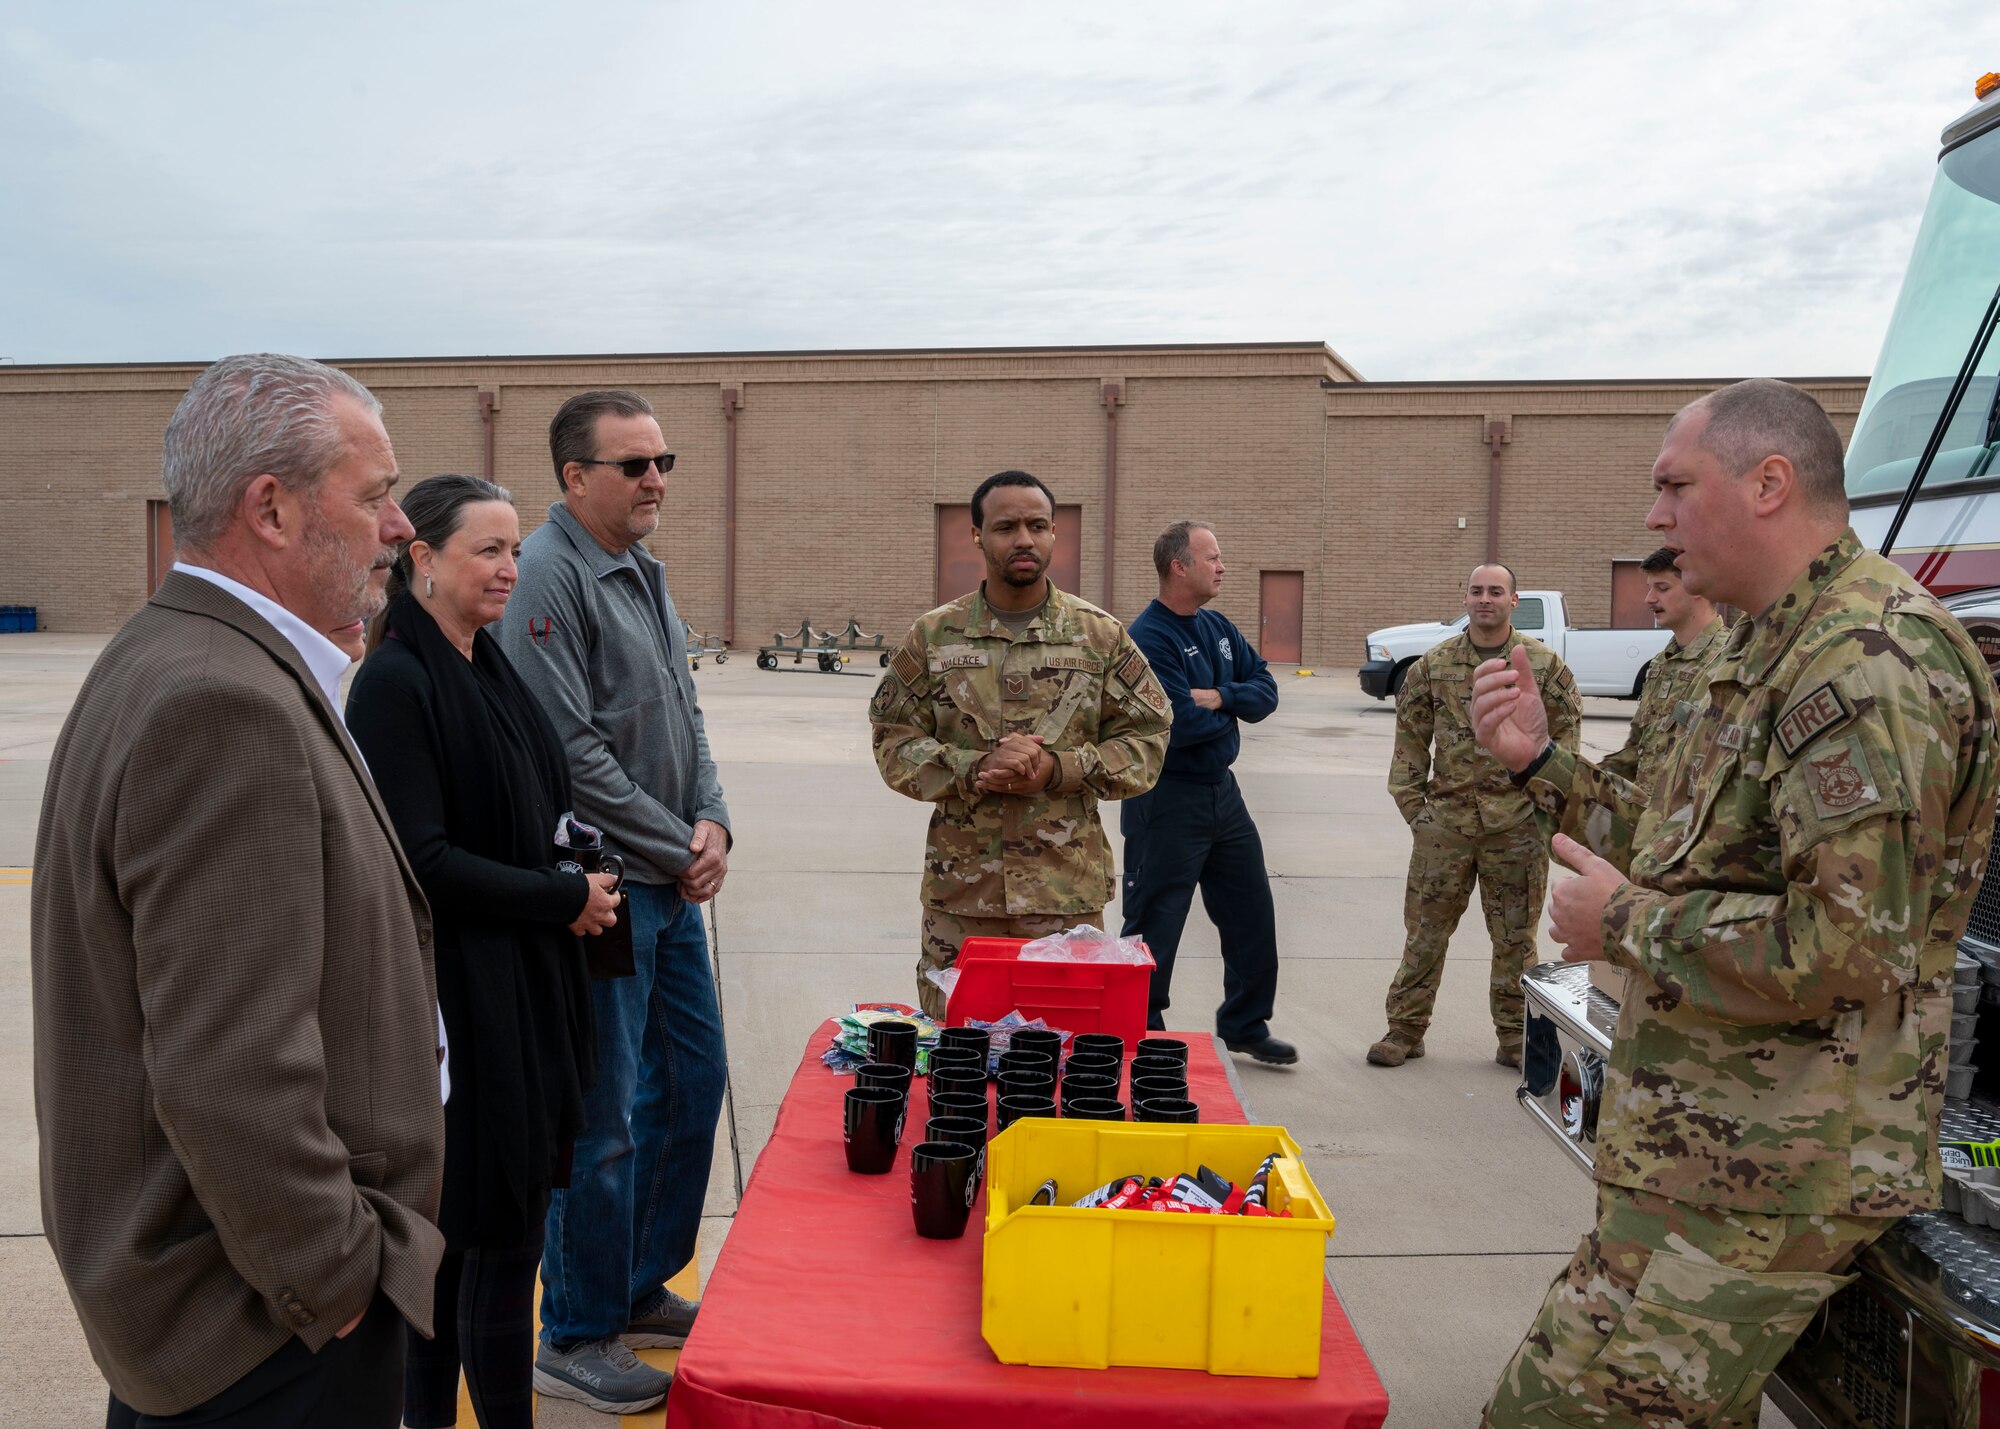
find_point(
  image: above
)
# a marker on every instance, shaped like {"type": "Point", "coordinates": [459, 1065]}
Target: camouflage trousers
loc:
{"type": "Point", "coordinates": [1512, 870]}
{"type": "Point", "coordinates": [943, 934]}
{"type": "Point", "coordinates": [1671, 1316]}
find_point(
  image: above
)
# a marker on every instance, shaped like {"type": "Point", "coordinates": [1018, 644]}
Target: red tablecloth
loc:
{"type": "Point", "coordinates": [827, 1309]}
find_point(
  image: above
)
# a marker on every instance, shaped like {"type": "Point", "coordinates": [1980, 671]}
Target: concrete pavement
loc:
{"type": "Point", "coordinates": [1454, 1211]}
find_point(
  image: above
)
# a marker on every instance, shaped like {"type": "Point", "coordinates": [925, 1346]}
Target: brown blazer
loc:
{"type": "Point", "coordinates": [236, 1070]}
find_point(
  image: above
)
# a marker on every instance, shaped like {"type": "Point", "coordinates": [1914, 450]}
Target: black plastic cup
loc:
{"type": "Point", "coordinates": [1095, 1063]}
{"type": "Point", "coordinates": [977, 1038]}
{"type": "Point", "coordinates": [969, 1080]}
{"type": "Point", "coordinates": [892, 1075]}
{"type": "Point", "coordinates": [944, 1183]}
{"type": "Point", "coordinates": [1098, 1044]}
{"type": "Point", "coordinates": [1037, 1039]}
{"type": "Point", "coordinates": [1022, 1059]}
{"type": "Point", "coordinates": [1089, 1084]}
{"type": "Point", "coordinates": [1094, 1109]}
{"type": "Point", "coordinates": [893, 1042]}
{"type": "Point", "coordinates": [872, 1128]}
{"type": "Point", "coordinates": [1154, 1065]}
{"type": "Point", "coordinates": [1166, 1109]}
{"type": "Point", "coordinates": [1027, 1084]}
{"type": "Point", "coordinates": [1153, 1088]}
{"type": "Point", "coordinates": [946, 1055]}
{"type": "Point", "coordinates": [966, 1131]}
{"type": "Point", "coordinates": [1163, 1047]}
{"type": "Point", "coordinates": [1011, 1109]}
{"type": "Point", "coordinates": [958, 1104]}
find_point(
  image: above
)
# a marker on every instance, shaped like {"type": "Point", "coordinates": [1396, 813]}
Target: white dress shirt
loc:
{"type": "Point", "coordinates": [328, 662]}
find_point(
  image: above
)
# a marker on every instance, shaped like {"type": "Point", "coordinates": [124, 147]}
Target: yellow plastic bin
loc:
{"type": "Point", "coordinates": [1085, 1289]}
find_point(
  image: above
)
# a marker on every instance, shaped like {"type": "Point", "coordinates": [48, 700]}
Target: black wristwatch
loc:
{"type": "Point", "coordinates": [1534, 766]}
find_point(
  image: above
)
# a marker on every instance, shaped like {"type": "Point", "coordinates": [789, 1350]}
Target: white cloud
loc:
{"type": "Point", "coordinates": [1531, 190]}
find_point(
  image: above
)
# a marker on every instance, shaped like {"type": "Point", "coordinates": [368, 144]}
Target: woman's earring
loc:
{"type": "Point", "coordinates": [429, 589]}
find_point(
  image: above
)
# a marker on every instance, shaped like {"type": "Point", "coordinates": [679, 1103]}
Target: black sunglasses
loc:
{"type": "Point", "coordinates": [635, 467]}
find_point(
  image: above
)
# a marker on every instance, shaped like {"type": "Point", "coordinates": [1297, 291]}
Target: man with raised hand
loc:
{"type": "Point", "coordinates": [1788, 905]}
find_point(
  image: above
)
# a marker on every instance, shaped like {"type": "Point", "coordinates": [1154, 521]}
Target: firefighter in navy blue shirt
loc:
{"type": "Point", "coordinates": [1192, 831]}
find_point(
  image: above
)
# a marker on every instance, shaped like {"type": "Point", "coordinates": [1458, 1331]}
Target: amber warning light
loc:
{"type": "Point", "coordinates": [1985, 85]}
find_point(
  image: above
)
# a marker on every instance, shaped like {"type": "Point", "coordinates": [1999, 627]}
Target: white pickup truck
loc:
{"type": "Point", "coordinates": [1605, 662]}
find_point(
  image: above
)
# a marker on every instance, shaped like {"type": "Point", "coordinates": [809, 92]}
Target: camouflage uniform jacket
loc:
{"type": "Point", "coordinates": [1798, 888]}
{"type": "Point", "coordinates": [958, 683]}
{"type": "Point", "coordinates": [1666, 707]}
{"type": "Point", "coordinates": [1467, 789]}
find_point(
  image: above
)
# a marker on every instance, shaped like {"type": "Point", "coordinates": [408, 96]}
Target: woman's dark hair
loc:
{"type": "Point", "coordinates": [436, 505]}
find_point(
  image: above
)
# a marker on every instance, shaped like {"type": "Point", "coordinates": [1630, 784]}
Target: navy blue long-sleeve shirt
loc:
{"type": "Point", "coordinates": [1204, 652]}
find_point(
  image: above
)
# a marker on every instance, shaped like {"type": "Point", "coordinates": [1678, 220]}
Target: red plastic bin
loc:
{"type": "Point", "coordinates": [1077, 997]}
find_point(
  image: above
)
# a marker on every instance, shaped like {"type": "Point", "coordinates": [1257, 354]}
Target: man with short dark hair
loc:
{"type": "Point", "coordinates": [1467, 823]}
{"type": "Point", "coordinates": [1669, 702]}
{"type": "Point", "coordinates": [1012, 711]}
{"type": "Point", "coordinates": [1788, 919]}
{"type": "Point", "coordinates": [236, 1050]}
{"type": "Point", "coordinates": [1192, 830]}
{"type": "Point", "coordinates": [593, 632]}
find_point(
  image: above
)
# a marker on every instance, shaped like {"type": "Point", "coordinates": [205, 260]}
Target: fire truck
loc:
{"type": "Point", "coordinates": [1915, 1341]}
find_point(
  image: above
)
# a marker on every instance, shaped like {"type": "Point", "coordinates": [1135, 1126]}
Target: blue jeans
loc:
{"type": "Point", "coordinates": [629, 1217]}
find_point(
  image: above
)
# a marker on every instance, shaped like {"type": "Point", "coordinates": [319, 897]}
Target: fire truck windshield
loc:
{"type": "Point", "coordinates": [1950, 283]}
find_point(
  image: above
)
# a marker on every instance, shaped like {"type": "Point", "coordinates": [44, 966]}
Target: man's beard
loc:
{"type": "Point", "coordinates": [346, 588]}
{"type": "Point", "coordinates": [1020, 579]}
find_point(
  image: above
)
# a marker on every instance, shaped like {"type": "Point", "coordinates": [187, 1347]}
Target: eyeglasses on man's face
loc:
{"type": "Point", "coordinates": [635, 467]}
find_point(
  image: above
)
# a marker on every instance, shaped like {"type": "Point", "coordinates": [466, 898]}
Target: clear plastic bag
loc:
{"type": "Point", "coordinates": [1086, 944]}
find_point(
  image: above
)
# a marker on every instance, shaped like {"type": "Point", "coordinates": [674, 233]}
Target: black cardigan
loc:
{"type": "Point", "coordinates": [466, 774]}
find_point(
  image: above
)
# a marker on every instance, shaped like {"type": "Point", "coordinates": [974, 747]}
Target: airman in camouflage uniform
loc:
{"type": "Point", "coordinates": [1789, 904]}
{"type": "Point", "coordinates": [1467, 823]}
{"type": "Point", "coordinates": [1674, 683]}
{"type": "Point", "coordinates": [1030, 860]}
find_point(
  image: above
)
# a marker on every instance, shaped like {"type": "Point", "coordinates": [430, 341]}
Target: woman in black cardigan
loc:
{"type": "Point", "coordinates": [474, 778]}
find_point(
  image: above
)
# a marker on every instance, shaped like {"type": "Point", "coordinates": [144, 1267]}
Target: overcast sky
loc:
{"type": "Point", "coordinates": [1438, 191]}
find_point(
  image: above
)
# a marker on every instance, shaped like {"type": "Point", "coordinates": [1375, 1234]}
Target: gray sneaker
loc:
{"type": "Point", "coordinates": [662, 1323]}
{"type": "Point", "coordinates": [604, 1374]}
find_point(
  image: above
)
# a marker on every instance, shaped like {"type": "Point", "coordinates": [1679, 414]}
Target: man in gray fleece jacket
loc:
{"type": "Point", "coordinates": [592, 631]}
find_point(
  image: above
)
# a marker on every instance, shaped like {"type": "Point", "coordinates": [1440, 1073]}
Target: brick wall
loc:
{"type": "Point", "coordinates": [842, 459]}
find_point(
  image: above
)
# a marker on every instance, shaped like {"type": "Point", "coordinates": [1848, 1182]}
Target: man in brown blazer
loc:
{"type": "Point", "coordinates": [236, 1053]}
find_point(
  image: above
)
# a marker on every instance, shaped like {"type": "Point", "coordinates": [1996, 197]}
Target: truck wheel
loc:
{"type": "Point", "coordinates": [1396, 680]}
{"type": "Point", "coordinates": [1639, 680]}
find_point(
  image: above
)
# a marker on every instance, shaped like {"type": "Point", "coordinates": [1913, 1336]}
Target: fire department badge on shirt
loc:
{"type": "Point", "coordinates": [1840, 779]}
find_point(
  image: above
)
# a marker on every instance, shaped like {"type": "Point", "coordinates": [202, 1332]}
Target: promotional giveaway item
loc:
{"type": "Point", "coordinates": [943, 1185]}
{"type": "Point", "coordinates": [893, 1042]}
{"type": "Point", "coordinates": [872, 1129]}
{"type": "Point", "coordinates": [1168, 1109]}
{"type": "Point", "coordinates": [579, 848]}
{"type": "Point", "coordinates": [884, 1074]}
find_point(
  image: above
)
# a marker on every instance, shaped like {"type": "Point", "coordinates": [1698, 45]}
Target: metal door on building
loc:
{"type": "Point", "coordinates": [1281, 607]}
{"type": "Point", "coordinates": [960, 566]}
{"type": "Point", "coordinates": [159, 543]}
{"type": "Point", "coordinates": [1628, 597]}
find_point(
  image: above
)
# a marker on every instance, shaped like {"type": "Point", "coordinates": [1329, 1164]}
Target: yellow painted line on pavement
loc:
{"type": "Point", "coordinates": [687, 1284]}
{"type": "Point", "coordinates": [20, 877]}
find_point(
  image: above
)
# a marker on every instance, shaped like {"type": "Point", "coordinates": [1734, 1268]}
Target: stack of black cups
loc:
{"type": "Point", "coordinates": [879, 1099]}
{"type": "Point", "coordinates": [1159, 1081]}
{"type": "Point", "coordinates": [948, 1166]}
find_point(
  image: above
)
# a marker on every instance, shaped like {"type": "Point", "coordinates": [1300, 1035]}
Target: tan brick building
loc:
{"type": "Point", "coordinates": [1356, 504]}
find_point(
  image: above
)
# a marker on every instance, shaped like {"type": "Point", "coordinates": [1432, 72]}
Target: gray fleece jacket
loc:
{"type": "Point", "coordinates": [604, 650]}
